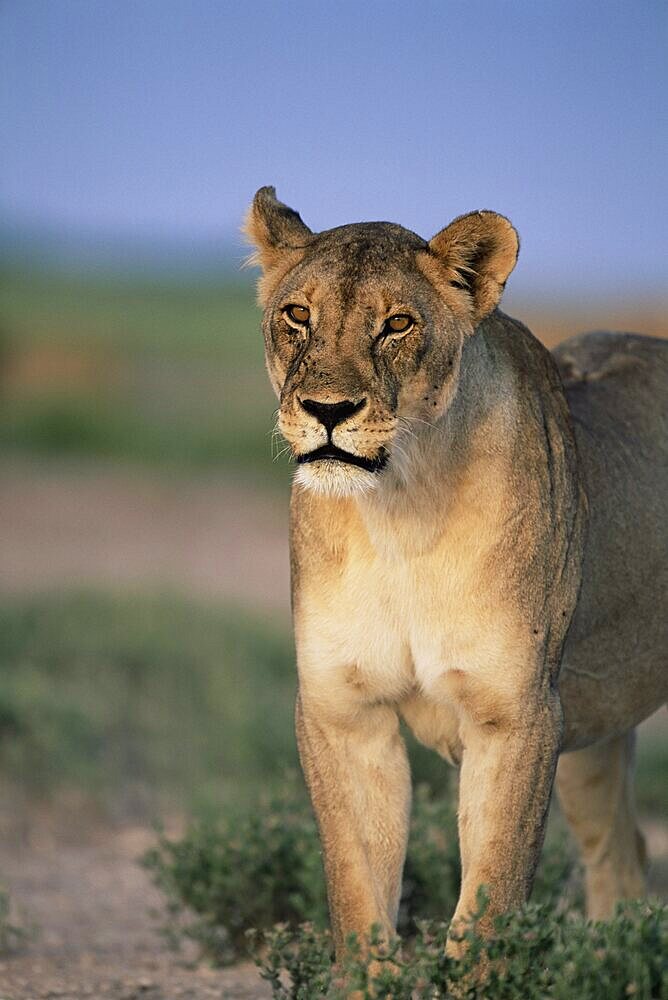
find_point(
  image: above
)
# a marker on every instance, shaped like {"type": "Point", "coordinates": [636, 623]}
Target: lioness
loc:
{"type": "Point", "coordinates": [479, 542]}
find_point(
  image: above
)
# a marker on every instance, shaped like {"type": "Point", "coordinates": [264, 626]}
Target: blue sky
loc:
{"type": "Point", "coordinates": [162, 117]}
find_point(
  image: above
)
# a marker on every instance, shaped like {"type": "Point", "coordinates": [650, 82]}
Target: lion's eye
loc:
{"type": "Point", "coordinates": [400, 323]}
{"type": "Point", "coordinates": [297, 314]}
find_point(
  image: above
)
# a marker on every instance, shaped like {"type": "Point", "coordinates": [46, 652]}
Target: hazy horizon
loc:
{"type": "Point", "coordinates": [155, 122]}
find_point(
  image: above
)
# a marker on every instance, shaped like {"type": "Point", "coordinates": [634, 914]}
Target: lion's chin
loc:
{"type": "Point", "coordinates": [331, 477]}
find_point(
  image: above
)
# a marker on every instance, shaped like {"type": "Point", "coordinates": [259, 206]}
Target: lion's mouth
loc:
{"type": "Point", "coordinates": [332, 452]}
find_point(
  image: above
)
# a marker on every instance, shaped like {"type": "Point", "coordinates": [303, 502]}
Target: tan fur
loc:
{"type": "Point", "coordinates": [500, 582]}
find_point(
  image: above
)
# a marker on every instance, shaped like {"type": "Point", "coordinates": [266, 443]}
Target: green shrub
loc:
{"type": "Point", "coordinates": [241, 871]}
{"type": "Point", "coordinates": [533, 954]}
{"type": "Point", "coordinates": [257, 868]}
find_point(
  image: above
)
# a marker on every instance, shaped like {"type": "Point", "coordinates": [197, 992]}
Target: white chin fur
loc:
{"type": "Point", "coordinates": [335, 479]}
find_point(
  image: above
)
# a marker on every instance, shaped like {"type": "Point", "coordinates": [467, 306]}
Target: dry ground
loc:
{"type": "Point", "coordinates": [95, 934]}
{"type": "Point", "coordinates": [82, 524]}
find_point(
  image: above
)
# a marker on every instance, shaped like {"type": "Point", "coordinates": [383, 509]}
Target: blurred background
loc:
{"type": "Point", "coordinates": [145, 638]}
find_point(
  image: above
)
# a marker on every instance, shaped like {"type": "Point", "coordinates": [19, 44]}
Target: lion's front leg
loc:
{"type": "Point", "coordinates": [507, 773]}
{"type": "Point", "coordinates": [358, 776]}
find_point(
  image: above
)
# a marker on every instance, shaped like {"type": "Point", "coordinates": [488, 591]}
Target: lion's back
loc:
{"type": "Point", "coordinates": [616, 385]}
{"type": "Point", "coordinates": [618, 376]}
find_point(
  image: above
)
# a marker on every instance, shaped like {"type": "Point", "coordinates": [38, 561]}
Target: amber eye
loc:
{"type": "Point", "coordinates": [298, 314]}
{"type": "Point", "coordinates": [401, 323]}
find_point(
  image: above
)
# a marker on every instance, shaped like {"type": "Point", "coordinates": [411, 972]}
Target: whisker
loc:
{"type": "Point", "coordinates": [406, 427]}
{"type": "Point", "coordinates": [419, 420]}
{"type": "Point", "coordinates": [401, 451]}
{"type": "Point", "coordinates": [276, 438]}
{"type": "Point", "coordinates": [281, 452]}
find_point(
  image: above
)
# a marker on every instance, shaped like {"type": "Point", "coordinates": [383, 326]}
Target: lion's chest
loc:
{"type": "Point", "coordinates": [390, 625]}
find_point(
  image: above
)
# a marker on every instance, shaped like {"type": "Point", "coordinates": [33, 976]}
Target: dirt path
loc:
{"type": "Point", "coordinates": [95, 937]}
{"type": "Point", "coordinates": [93, 524]}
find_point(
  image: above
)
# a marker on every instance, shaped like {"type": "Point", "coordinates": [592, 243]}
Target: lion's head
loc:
{"type": "Point", "coordinates": [364, 327]}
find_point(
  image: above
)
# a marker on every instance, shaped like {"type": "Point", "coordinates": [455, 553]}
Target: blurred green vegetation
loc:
{"type": "Point", "coordinates": [651, 786]}
{"type": "Point", "coordinates": [159, 370]}
{"type": "Point", "coordinates": [141, 316]}
{"type": "Point", "coordinates": [158, 700]}
{"type": "Point", "coordinates": [155, 699]}
{"type": "Point", "coordinates": [79, 424]}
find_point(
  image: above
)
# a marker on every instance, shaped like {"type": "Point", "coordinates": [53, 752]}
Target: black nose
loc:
{"type": "Point", "coordinates": [331, 414]}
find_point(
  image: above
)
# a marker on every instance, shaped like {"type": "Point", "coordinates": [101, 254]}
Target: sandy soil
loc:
{"type": "Point", "coordinates": [95, 934]}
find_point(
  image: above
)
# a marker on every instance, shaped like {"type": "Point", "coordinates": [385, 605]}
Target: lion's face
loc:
{"type": "Point", "coordinates": [363, 328]}
{"type": "Point", "coordinates": [360, 349]}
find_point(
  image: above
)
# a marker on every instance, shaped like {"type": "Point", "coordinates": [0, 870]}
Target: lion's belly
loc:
{"type": "Point", "coordinates": [613, 677]}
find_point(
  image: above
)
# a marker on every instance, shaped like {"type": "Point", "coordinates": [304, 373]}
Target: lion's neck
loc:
{"type": "Point", "coordinates": [436, 467]}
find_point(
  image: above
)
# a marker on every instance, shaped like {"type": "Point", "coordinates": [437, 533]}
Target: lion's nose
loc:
{"type": "Point", "coordinates": [331, 414]}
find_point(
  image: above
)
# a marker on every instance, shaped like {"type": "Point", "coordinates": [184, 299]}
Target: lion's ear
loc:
{"type": "Point", "coordinates": [478, 251]}
{"type": "Point", "coordinates": [277, 233]}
